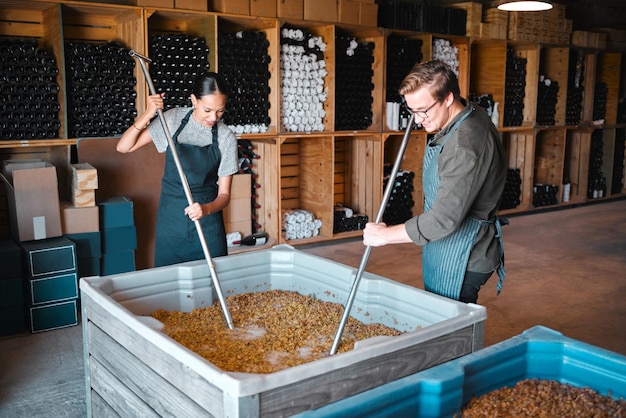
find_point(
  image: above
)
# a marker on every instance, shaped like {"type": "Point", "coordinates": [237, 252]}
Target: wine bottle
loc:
{"type": "Point", "coordinates": [258, 238]}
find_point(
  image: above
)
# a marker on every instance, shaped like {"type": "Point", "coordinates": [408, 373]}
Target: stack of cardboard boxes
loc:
{"type": "Point", "coordinates": [80, 219]}
{"type": "Point", "coordinates": [119, 235]}
{"type": "Point", "coordinates": [51, 281]}
{"type": "Point", "coordinates": [49, 275]}
{"type": "Point", "coordinates": [54, 243]}
{"type": "Point", "coordinates": [238, 214]}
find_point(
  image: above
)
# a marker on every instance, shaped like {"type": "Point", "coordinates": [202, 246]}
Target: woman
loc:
{"type": "Point", "coordinates": [207, 150]}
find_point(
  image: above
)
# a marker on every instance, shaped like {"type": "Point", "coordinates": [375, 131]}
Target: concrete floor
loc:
{"type": "Point", "coordinates": [566, 271]}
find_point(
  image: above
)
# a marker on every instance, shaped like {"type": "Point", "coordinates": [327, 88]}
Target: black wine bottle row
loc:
{"type": "Point", "coordinates": [545, 195]}
{"type": "Point", "coordinates": [421, 17]}
{"type": "Point", "coordinates": [547, 95]}
{"type": "Point", "coordinates": [406, 52]}
{"type": "Point", "coordinates": [101, 91]}
{"type": "Point", "coordinates": [344, 220]}
{"type": "Point", "coordinates": [29, 105]}
{"type": "Point", "coordinates": [514, 89]}
{"type": "Point", "coordinates": [244, 59]}
{"type": "Point", "coordinates": [575, 88]}
{"type": "Point", "coordinates": [596, 183]}
{"type": "Point", "coordinates": [353, 83]}
{"type": "Point", "coordinates": [512, 189]}
{"type": "Point", "coordinates": [399, 208]}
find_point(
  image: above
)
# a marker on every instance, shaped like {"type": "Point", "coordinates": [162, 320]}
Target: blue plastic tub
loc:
{"type": "Point", "coordinates": [441, 391]}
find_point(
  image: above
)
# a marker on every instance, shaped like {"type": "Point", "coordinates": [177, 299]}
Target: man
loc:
{"type": "Point", "coordinates": [463, 180]}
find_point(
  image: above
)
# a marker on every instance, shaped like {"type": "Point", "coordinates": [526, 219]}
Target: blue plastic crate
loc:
{"type": "Point", "coordinates": [441, 391]}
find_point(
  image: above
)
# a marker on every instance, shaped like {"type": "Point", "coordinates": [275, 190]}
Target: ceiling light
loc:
{"type": "Point", "coordinates": [524, 5]}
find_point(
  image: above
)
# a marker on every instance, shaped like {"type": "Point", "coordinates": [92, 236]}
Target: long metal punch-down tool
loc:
{"type": "Point", "coordinates": [368, 249]}
{"type": "Point", "coordinates": [183, 178]}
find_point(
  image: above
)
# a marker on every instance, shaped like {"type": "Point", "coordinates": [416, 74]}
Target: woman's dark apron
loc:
{"type": "Point", "coordinates": [176, 235]}
{"type": "Point", "coordinates": [444, 261]}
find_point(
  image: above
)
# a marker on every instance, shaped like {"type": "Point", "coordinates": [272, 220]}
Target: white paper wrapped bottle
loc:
{"type": "Point", "coordinates": [495, 114]}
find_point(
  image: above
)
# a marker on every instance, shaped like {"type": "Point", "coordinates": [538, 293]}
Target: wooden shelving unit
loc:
{"type": "Point", "coordinates": [318, 170]}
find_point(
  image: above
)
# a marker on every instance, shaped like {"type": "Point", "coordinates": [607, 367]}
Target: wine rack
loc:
{"type": "Point", "coordinates": [342, 161]}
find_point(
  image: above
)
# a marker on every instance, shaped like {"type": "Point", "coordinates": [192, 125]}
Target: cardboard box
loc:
{"type": "Point", "coordinates": [115, 212]}
{"type": "Point", "coordinates": [201, 5]}
{"type": "Point", "coordinates": [11, 293]}
{"type": "Point", "coordinates": [441, 391]}
{"type": "Point", "coordinates": [238, 214]}
{"type": "Point", "coordinates": [238, 7]}
{"type": "Point", "coordinates": [474, 16]}
{"type": "Point", "coordinates": [13, 320]}
{"type": "Point", "coordinates": [116, 310]}
{"type": "Point", "coordinates": [83, 198]}
{"type": "Point", "coordinates": [243, 227]}
{"type": "Point", "coordinates": [290, 9]}
{"type": "Point", "coordinates": [33, 198]}
{"type": "Point", "coordinates": [49, 289]}
{"type": "Point", "coordinates": [119, 262]}
{"type": "Point", "coordinates": [122, 238]}
{"type": "Point", "coordinates": [49, 257]}
{"type": "Point", "coordinates": [263, 8]}
{"type": "Point", "coordinates": [320, 10]}
{"type": "Point", "coordinates": [84, 177]}
{"type": "Point", "coordinates": [88, 244]}
{"type": "Point", "coordinates": [10, 259]}
{"type": "Point", "coordinates": [79, 220]}
{"type": "Point", "coordinates": [348, 11]}
{"type": "Point", "coordinates": [241, 187]}
{"type": "Point", "coordinates": [368, 14]}
{"type": "Point", "coordinates": [88, 267]}
{"type": "Point", "coordinates": [238, 210]}
{"type": "Point", "coordinates": [53, 316]}
{"type": "Point", "coordinates": [168, 4]}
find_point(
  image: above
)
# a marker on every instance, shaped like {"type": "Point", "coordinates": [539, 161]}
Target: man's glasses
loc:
{"type": "Point", "coordinates": [422, 114]}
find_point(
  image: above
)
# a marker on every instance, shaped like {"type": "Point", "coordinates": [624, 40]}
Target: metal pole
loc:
{"type": "Point", "coordinates": [368, 248]}
{"type": "Point", "coordinates": [142, 61]}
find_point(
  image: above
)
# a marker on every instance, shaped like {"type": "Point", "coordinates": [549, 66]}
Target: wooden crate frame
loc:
{"type": "Point", "coordinates": [199, 24]}
{"type": "Point", "coordinates": [609, 71]}
{"type": "Point", "coordinates": [550, 147]}
{"type": "Point", "coordinates": [357, 175]}
{"type": "Point", "coordinates": [426, 50]}
{"type": "Point", "coordinates": [554, 64]}
{"type": "Point", "coordinates": [327, 32]}
{"type": "Point", "coordinates": [488, 70]}
{"type": "Point", "coordinates": [590, 87]}
{"type": "Point", "coordinates": [488, 74]}
{"type": "Point", "coordinates": [412, 160]}
{"type": "Point", "coordinates": [98, 23]}
{"type": "Point", "coordinates": [268, 216]}
{"type": "Point", "coordinates": [519, 147]}
{"type": "Point", "coordinates": [578, 144]}
{"type": "Point", "coordinates": [42, 21]}
{"type": "Point", "coordinates": [227, 24]}
{"type": "Point", "coordinates": [306, 180]}
{"type": "Point", "coordinates": [463, 56]}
